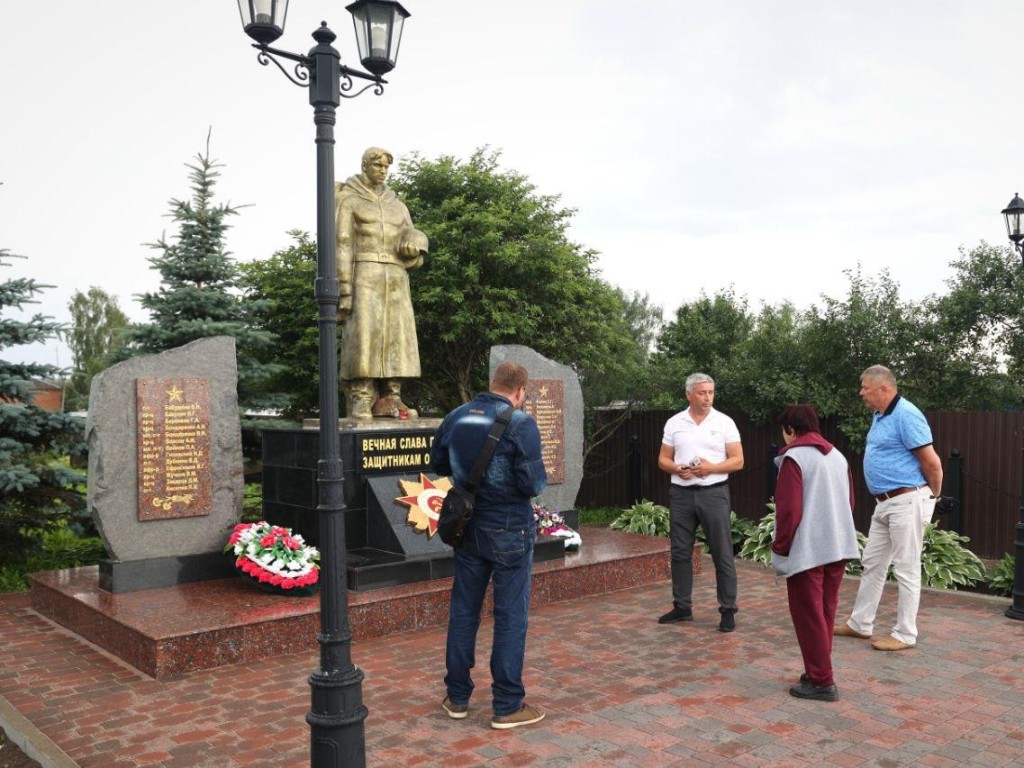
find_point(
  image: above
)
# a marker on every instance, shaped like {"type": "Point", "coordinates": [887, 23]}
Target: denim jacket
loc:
{"type": "Point", "coordinates": [516, 472]}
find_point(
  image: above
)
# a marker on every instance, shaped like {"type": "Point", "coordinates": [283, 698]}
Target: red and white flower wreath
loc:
{"type": "Point", "coordinates": [274, 555]}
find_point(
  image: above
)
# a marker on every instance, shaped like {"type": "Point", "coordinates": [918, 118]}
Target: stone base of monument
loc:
{"type": "Point", "coordinates": [383, 549]}
{"type": "Point", "coordinates": [133, 575]}
{"type": "Point", "coordinates": [175, 630]}
{"type": "Point", "coordinates": [375, 568]}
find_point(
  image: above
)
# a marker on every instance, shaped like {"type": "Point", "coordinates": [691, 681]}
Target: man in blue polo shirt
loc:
{"type": "Point", "coordinates": [904, 474]}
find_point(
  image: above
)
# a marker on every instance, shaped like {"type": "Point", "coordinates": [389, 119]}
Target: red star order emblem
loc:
{"type": "Point", "coordinates": [424, 500]}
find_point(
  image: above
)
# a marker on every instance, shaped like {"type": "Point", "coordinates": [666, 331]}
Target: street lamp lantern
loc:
{"type": "Point", "coordinates": [336, 713]}
{"type": "Point", "coordinates": [1014, 215]}
{"type": "Point", "coordinates": [263, 20]}
{"type": "Point", "coordinates": [378, 32]}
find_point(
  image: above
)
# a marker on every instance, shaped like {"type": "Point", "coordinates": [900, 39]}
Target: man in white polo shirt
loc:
{"type": "Point", "coordinates": [700, 448]}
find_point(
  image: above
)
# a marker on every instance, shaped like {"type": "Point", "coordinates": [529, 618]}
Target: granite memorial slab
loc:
{"type": "Point", "coordinates": [165, 465]}
{"type": "Point", "coordinates": [555, 400]}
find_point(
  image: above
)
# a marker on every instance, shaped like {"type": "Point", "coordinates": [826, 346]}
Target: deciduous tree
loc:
{"type": "Point", "coordinates": [98, 329]}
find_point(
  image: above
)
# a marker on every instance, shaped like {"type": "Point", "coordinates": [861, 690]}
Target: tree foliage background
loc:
{"type": "Point", "coordinates": [280, 292]}
{"type": "Point", "coordinates": [37, 491]}
{"type": "Point", "coordinates": [199, 294]}
{"type": "Point", "coordinates": [502, 270]}
{"type": "Point", "coordinates": [97, 333]}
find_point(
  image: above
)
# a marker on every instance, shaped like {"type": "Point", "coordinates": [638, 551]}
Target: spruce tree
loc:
{"type": "Point", "coordinates": [36, 491]}
{"type": "Point", "coordinates": [199, 296]}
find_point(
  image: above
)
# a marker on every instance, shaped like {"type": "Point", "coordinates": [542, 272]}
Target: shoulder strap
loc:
{"type": "Point", "coordinates": [490, 444]}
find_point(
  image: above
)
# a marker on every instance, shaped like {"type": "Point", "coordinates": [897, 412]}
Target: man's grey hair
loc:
{"type": "Point", "coordinates": [879, 373]}
{"type": "Point", "coordinates": [697, 378]}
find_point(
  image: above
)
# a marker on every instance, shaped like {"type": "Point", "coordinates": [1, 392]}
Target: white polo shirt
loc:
{"type": "Point", "coordinates": [706, 440]}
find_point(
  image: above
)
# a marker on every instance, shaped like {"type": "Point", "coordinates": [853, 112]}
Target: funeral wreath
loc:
{"type": "Point", "coordinates": [275, 558]}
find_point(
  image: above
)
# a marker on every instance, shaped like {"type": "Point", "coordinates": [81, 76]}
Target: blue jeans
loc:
{"type": "Point", "coordinates": [504, 555]}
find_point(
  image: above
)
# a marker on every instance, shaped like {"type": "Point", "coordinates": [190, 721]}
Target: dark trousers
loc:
{"type": "Point", "coordinates": [504, 556]}
{"type": "Point", "coordinates": [813, 597]}
{"type": "Point", "coordinates": [708, 507]}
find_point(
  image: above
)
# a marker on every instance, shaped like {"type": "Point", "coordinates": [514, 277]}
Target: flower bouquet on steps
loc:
{"type": "Point", "coordinates": [275, 559]}
{"type": "Point", "coordinates": [553, 524]}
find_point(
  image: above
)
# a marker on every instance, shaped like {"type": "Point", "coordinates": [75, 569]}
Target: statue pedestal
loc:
{"type": "Point", "coordinates": [382, 549]}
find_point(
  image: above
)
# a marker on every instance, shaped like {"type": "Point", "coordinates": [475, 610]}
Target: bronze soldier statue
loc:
{"type": "Point", "coordinates": [377, 246]}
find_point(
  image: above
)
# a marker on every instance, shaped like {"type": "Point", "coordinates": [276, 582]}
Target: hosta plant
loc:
{"type": "Point", "coordinates": [1001, 580]}
{"type": "Point", "coordinates": [946, 562]}
{"type": "Point", "coordinates": [645, 517]}
{"type": "Point", "coordinates": [758, 546]}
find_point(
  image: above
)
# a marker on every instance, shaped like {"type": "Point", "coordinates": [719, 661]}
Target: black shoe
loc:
{"type": "Point", "coordinates": [805, 678]}
{"type": "Point", "coordinates": [676, 614]}
{"type": "Point", "coordinates": [728, 622]}
{"type": "Point", "coordinates": [809, 690]}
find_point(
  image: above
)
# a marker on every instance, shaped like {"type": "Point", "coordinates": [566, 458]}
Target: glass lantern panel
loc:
{"type": "Point", "coordinates": [263, 12]}
{"type": "Point", "coordinates": [1013, 224]}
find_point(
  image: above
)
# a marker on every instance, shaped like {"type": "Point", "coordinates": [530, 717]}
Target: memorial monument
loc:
{"type": "Point", "coordinates": [165, 465]}
{"type": "Point", "coordinates": [377, 247]}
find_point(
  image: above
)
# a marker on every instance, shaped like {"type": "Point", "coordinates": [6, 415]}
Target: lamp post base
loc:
{"type": "Point", "coordinates": [1013, 612]}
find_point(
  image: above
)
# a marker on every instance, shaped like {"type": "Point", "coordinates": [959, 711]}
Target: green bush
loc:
{"type": "Point", "coordinates": [946, 563]}
{"type": "Point", "coordinates": [1001, 580]}
{"type": "Point", "coordinates": [57, 549]}
{"type": "Point", "coordinates": [646, 517]}
{"type": "Point", "coordinates": [252, 503]}
{"type": "Point", "coordinates": [599, 515]}
{"type": "Point", "coordinates": [758, 546]}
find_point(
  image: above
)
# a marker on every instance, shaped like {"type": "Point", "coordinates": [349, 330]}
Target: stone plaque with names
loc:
{"type": "Point", "coordinates": [545, 402]}
{"type": "Point", "coordinates": [173, 434]}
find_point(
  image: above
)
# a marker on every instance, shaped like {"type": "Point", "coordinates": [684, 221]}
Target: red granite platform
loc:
{"type": "Point", "coordinates": [175, 630]}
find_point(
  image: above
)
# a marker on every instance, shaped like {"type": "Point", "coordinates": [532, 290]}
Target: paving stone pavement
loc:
{"type": "Point", "coordinates": [621, 690]}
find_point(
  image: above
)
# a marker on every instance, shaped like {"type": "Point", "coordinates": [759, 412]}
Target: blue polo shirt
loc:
{"type": "Point", "coordinates": [888, 461]}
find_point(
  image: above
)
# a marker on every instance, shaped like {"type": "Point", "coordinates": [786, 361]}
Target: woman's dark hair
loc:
{"type": "Point", "coordinates": [800, 418]}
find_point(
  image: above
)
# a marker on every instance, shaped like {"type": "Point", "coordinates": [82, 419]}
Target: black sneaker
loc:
{"type": "Point", "coordinates": [676, 614]}
{"type": "Point", "coordinates": [809, 690]}
{"type": "Point", "coordinates": [728, 622]}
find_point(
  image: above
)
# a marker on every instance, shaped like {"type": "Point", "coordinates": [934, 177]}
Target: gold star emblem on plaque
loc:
{"type": "Point", "coordinates": [174, 394]}
{"type": "Point", "coordinates": [424, 500]}
{"type": "Point", "coordinates": [543, 391]}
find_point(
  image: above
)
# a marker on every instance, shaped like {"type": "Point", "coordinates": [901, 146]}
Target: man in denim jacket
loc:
{"type": "Point", "coordinates": [498, 544]}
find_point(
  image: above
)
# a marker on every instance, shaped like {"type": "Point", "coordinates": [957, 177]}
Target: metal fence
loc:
{"type": "Point", "coordinates": [624, 468]}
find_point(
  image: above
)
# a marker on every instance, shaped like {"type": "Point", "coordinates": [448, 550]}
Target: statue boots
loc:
{"type": "Point", "coordinates": [390, 401]}
{"type": "Point", "coordinates": [360, 394]}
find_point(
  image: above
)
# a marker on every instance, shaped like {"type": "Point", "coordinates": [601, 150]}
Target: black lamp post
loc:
{"type": "Point", "coordinates": [1014, 215]}
{"type": "Point", "coordinates": [336, 713]}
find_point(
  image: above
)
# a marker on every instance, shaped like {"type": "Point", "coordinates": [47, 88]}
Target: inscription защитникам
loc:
{"type": "Point", "coordinates": [382, 453]}
{"type": "Point", "coordinates": [173, 437]}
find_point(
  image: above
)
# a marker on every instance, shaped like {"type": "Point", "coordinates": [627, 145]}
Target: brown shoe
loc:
{"type": "Point", "coordinates": [845, 630]}
{"type": "Point", "coordinates": [455, 711]}
{"type": "Point", "coordinates": [527, 715]}
{"type": "Point", "coordinates": [890, 644]}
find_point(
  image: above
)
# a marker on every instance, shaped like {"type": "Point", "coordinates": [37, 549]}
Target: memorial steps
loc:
{"type": "Point", "coordinates": [174, 630]}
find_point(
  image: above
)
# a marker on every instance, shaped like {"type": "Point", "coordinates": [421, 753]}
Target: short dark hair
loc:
{"type": "Point", "coordinates": [801, 419]}
{"type": "Point", "coordinates": [509, 377]}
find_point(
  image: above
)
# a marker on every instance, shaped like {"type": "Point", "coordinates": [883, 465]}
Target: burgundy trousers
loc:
{"type": "Point", "coordinates": [813, 598]}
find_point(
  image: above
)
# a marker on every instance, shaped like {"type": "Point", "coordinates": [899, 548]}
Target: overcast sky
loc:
{"type": "Point", "coordinates": [769, 145]}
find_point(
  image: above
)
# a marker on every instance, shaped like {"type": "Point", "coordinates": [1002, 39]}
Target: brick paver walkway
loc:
{"type": "Point", "coordinates": [621, 691]}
